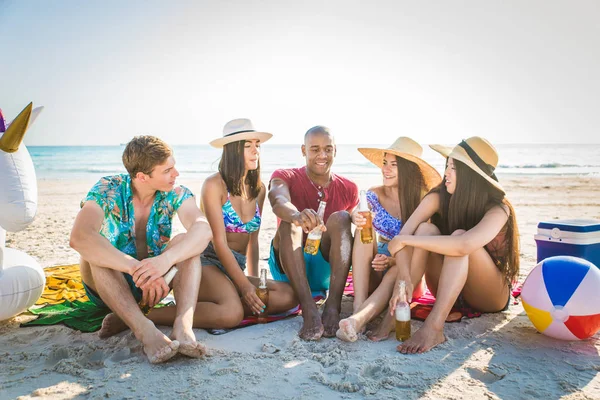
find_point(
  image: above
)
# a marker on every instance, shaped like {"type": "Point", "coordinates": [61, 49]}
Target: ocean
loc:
{"type": "Point", "coordinates": [199, 161]}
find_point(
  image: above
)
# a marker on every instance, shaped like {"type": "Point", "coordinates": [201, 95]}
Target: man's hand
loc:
{"type": "Point", "coordinates": [308, 219]}
{"type": "Point", "coordinates": [248, 293]}
{"type": "Point", "coordinates": [154, 292]}
{"type": "Point", "coordinates": [150, 269]}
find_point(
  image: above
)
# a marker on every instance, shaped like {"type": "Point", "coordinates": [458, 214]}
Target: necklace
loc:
{"type": "Point", "coordinates": [320, 189]}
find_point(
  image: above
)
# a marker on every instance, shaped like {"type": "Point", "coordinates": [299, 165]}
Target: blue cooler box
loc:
{"type": "Point", "coordinates": [569, 237]}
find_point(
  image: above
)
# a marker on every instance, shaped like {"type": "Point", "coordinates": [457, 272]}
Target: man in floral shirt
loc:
{"type": "Point", "coordinates": [123, 234]}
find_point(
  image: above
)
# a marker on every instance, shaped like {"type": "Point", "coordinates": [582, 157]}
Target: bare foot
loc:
{"type": "Point", "coordinates": [157, 347]}
{"type": "Point", "coordinates": [111, 325]}
{"type": "Point", "coordinates": [347, 331]}
{"type": "Point", "coordinates": [312, 328]}
{"type": "Point", "coordinates": [382, 331]}
{"type": "Point", "coordinates": [331, 321]}
{"type": "Point", "coordinates": [192, 349]}
{"type": "Point", "coordinates": [423, 340]}
{"type": "Point", "coordinates": [188, 345]}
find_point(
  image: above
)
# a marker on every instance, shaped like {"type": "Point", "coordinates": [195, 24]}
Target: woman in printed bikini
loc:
{"type": "Point", "coordinates": [470, 251]}
{"type": "Point", "coordinates": [233, 195]}
{"type": "Point", "coordinates": [406, 179]}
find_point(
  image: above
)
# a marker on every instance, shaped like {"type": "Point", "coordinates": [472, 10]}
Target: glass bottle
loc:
{"type": "Point", "coordinates": [313, 241]}
{"type": "Point", "coordinates": [402, 313]}
{"type": "Point", "coordinates": [263, 294]}
{"type": "Point", "coordinates": [366, 233]}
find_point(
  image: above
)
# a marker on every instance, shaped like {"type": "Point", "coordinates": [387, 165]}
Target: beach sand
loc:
{"type": "Point", "coordinates": [495, 356]}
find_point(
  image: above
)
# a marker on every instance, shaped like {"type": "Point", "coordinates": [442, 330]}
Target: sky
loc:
{"type": "Point", "coordinates": [437, 71]}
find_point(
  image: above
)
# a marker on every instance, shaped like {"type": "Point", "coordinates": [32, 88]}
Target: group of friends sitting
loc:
{"type": "Point", "coordinates": [457, 235]}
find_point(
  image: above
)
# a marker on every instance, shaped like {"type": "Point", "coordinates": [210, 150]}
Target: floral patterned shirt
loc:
{"type": "Point", "coordinates": [115, 196]}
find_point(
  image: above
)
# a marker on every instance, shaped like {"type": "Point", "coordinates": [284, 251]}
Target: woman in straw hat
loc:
{"type": "Point", "coordinates": [470, 252]}
{"type": "Point", "coordinates": [406, 179]}
{"type": "Point", "coordinates": [233, 202]}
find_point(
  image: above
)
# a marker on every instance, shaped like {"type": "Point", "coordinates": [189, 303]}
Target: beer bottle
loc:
{"type": "Point", "coordinates": [168, 278]}
{"type": "Point", "coordinates": [402, 314]}
{"type": "Point", "coordinates": [313, 241]}
{"type": "Point", "coordinates": [366, 233]}
{"type": "Point", "coordinates": [263, 294]}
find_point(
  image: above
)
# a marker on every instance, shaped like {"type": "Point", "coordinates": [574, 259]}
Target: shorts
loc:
{"type": "Point", "coordinates": [318, 270]}
{"type": "Point", "coordinates": [382, 248]}
{"type": "Point", "coordinates": [209, 257]}
{"type": "Point", "coordinates": [95, 297]}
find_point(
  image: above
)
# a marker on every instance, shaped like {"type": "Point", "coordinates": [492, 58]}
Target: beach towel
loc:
{"type": "Point", "coordinates": [64, 301]}
{"type": "Point", "coordinates": [422, 306]}
{"type": "Point", "coordinates": [252, 320]}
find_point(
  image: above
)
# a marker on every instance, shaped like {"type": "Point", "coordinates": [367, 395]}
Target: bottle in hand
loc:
{"type": "Point", "coordinates": [313, 241]}
{"type": "Point", "coordinates": [366, 233]}
{"type": "Point", "coordinates": [402, 313]}
{"type": "Point", "coordinates": [263, 294]}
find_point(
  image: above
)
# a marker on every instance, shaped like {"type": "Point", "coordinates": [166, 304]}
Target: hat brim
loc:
{"type": "Point", "coordinates": [222, 141]}
{"type": "Point", "coordinates": [431, 175]}
{"type": "Point", "coordinates": [458, 153]}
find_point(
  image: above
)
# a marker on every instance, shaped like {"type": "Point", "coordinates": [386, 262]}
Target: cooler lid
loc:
{"type": "Point", "coordinates": [572, 225]}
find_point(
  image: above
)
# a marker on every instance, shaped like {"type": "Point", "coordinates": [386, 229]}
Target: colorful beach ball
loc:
{"type": "Point", "coordinates": [561, 296]}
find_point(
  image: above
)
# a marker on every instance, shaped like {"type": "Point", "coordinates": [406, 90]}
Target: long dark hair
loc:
{"type": "Point", "coordinates": [411, 186]}
{"type": "Point", "coordinates": [232, 168]}
{"type": "Point", "coordinates": [464, 209]}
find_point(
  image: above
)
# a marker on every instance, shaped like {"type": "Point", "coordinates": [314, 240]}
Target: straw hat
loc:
{"type": "Point", "coordinates": [478, 154]}
{"type": "Point", "coordinates": [239, 129]}
{"type": "Point", "coordinates": [408, 149]}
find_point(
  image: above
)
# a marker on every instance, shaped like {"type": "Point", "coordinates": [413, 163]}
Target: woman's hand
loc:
{"type": "Point", "coordinates": [380, 262]}
{"type": "Point", "coordinates": [396, 244]}
{"type": "Point", "coordinates": [248, 294]}
{"type": "Point", "coordinates": [358, 219]}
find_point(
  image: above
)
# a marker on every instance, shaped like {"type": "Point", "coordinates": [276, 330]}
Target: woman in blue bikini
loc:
{"type": "Point", "coordinates": [233, 195]}
{"type": "Point", "coordinates": [406, 179]}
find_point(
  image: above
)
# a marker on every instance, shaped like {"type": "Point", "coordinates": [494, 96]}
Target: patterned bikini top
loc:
{"type": "Point", "coordinates": [384, 223]}
{"type": "Point", "coordinates": [233, 222]}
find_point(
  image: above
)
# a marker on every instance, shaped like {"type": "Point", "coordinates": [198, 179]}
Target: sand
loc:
{"type": "Point", "coordinates": [494, 356]}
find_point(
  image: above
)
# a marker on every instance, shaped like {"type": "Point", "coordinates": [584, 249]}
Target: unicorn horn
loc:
{"type": "Point", "coordinates": [12, 138]}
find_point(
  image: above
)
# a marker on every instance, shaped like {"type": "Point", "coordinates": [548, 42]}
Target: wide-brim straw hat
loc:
{"type": "Point", "coordinates": [239, 129]}
{"type": "Point", "coordinates": [477, 154]}
{"type": "Point", "coordinates": [408, 149]}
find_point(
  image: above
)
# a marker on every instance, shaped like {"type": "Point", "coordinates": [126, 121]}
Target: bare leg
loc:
{"type": "Point", "coordinates": [114, 291]}
{"type": "Point", "coordinates": [218, 303]}
{"type": "Point", "coordinates": [417, 260]}
{"type": "Point", "coordinates": [487, 291]}
{"type": "Point", "coordinates": [362, 255]}
{"type": "Point", "coordinates": [337, 242]}
{"type": "Point", "coordinates": [372, 307]}
{"type": "Point", "coordinates": [185, 288]}
{"type": "Point", "coordinates": [291, 257]}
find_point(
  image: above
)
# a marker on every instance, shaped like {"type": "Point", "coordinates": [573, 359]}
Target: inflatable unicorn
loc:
{"type": "Point", "coordinates": [21, 277]}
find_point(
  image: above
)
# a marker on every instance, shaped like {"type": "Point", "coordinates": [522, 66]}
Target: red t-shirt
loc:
{"type": "Point", "coordinates": [341, 194]}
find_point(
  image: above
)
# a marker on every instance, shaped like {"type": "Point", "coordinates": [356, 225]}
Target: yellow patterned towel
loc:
{"type": "Point", "coordinates": [63, 283]}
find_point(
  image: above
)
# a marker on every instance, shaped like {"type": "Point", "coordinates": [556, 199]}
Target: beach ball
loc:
{"type": "Point", "coordinates": [561, 296]}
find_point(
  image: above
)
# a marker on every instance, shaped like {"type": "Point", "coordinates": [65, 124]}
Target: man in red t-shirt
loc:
{"type": "Point", "coordinates": [295, 195]}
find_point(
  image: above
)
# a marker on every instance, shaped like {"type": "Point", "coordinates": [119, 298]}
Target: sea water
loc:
{"type": "Point", "coordinates": [199, 161]}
